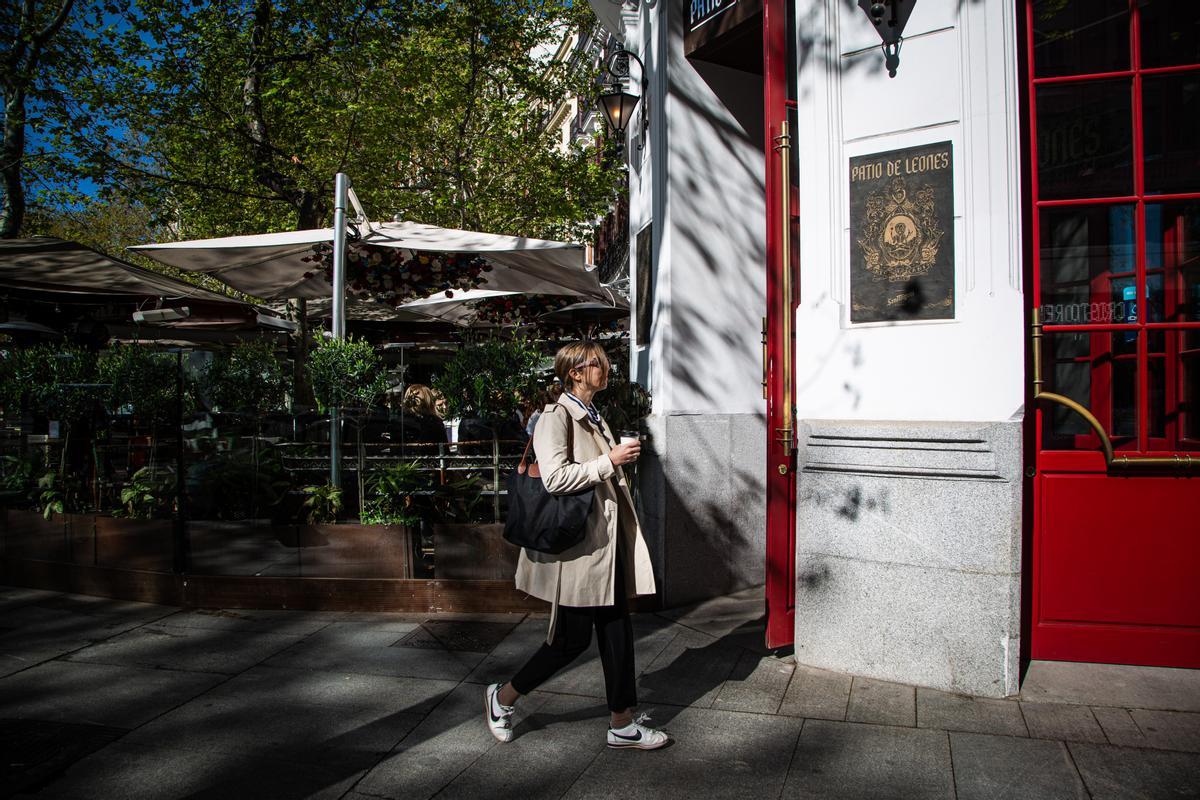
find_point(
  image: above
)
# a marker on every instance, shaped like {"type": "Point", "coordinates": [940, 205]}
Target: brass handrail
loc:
{"type": "Point", "coordinates": [786, 434]}
{"type": "Point", "coordinates": [1111, 461]}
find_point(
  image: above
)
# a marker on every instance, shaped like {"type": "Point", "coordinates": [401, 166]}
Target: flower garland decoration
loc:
{"type": "Point", "coordinates": [394, 276]}
{"type": "Point", "coordinates": [518, 309]}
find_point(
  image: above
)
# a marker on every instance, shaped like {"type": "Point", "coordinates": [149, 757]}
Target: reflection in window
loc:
{"type": "Point", "coordinates": [1080, 37]}
{"type": "Point", "coordinates": [1171, 124]}
{"type": "Point", "coordinates": [1170, 33]}
{"type": "Point", "coordinates": [1084, 367]}
{"type": "Point", "coordinates": [1087, 265]}
{"type": "Point", "coordinates": [1084, 139]}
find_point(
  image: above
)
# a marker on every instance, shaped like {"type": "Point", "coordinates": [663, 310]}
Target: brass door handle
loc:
{"type": "Point", "coordinates": [786, 433]}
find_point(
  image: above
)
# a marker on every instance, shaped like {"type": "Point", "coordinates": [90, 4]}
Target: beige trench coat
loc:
{"type": "Point", "coordinates": [585, 574]}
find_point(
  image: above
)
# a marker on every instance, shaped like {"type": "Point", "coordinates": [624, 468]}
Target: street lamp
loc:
{"type": "Point", "coordinates": [618, 104]}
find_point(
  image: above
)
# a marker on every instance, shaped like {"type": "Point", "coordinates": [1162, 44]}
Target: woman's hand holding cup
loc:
{"type": "Point", "coordinates": [628, 450]}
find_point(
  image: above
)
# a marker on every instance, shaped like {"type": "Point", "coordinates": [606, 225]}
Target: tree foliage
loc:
{"type": "Point", "coordinates": [489, 379]}
{"type": "Point", "coordinates": [224, 118]}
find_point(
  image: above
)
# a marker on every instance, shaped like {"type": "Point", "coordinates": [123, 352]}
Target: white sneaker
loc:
{"type": "Point", "coordinates": [498, 717]}
{"type": "Point", "coordinates": [635, 734]}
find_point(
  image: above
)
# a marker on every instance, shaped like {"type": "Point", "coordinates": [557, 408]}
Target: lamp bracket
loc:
{"type": "Point", "coordinates": [889, 18]}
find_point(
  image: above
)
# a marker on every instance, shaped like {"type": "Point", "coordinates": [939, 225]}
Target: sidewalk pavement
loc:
{"type": "Point", "coordinates": [108, 699]}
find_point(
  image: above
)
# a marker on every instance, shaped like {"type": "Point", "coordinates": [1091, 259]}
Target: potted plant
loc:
{"type": "Point", "coordinates": [139, 534]}
{"type": "Point", "coordinates": [145, 384]}
{"type": "Point", "coordinates": [380, 544]}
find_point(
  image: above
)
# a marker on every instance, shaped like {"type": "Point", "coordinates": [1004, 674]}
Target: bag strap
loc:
{"type": "Point", "coordinates": [525, 467]}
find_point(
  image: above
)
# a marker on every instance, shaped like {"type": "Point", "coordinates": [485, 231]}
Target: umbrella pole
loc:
{"type": "Point", "coordinates": [340, 192]}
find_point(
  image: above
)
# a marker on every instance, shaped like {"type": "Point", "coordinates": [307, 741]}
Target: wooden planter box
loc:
{"type": "Point", "coordinates": [139, 544]}
{"type": "Point", "coordinates": [27, 534]}
{"type": "Point", "coordinates": [355, 551]}
{"type": "Point", "coordinates": [475, 552]}
{"type": "Point", "coordinates": [242, 547]}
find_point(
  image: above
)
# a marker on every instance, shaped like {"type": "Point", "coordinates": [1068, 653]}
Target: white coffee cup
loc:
{"type": "Point", "coordinates": [629, 437]}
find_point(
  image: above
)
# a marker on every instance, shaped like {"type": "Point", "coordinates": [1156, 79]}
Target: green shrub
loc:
{"type": "Point", "coordinates": [488, 379]}
{"type": "Point", "coordinates": [250, 377]}
{"type": "Point", "coordinates": [145, 382]}
{"type": "Point", "coordinates": [346, 373]}
{"type": "Point", "coordinates": [323, 503]}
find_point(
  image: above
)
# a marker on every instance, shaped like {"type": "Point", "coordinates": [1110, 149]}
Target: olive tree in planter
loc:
{"type": "Point", "coordinates": [348, 374]}
{"type": "Point", "coordinates": [145, 383]}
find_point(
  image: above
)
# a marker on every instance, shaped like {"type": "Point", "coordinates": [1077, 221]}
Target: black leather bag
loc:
{"type": "Point", "coordinates": [538, 520]}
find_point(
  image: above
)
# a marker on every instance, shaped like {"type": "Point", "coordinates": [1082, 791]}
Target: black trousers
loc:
{"type": "Point", "coordinates": [573, 635]}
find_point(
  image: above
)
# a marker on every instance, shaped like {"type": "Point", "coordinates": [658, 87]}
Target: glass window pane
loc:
{"type": "Point", "coordinates": [1170, 33]}
{"type": "Point", "coordinates": [1189, 401]}
{"type": "Point", "coordinates": [1087, 265]}
{"type": "Point", "coordinates": [1085, 368]}
{"type": "Point", "coordinates": [1076, 38]}
{"type": "Point", "coordinates": [1171, 126]}
{"type": "Point", "coordinates": [1084, 140]}
{"type": "Point", "coordinates": [1173, 252]}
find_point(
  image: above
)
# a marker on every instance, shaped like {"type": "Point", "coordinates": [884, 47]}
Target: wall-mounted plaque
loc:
{"type": "Point", "coordinates": [902, 234]}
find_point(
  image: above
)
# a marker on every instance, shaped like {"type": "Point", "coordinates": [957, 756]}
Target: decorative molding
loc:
{"type": "Point", "coordinates": [902, 453]}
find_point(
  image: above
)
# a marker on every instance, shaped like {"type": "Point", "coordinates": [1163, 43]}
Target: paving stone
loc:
{"type": "Point", "coordinates": [689, 671]}
{"type": "Point", "coordinates": [14, 596]}
{"type": "Point", "coordinates": [1002, 767]}
{"type": "Point", "coordinates": [99, 694]}
{"type": "Point", "coordinates": [716, 754]}
{"type": "Point", "coordinates": [756, 685]}
{"type": "Point", "coordinates": [302, 732]}
{"type": "Point", "coordinates": [1118, 773]}
{"type": "Point", "coordinates": [192, 649]}
{"type": "Point", "coordinates": [846, 761]}
{"type": "Point", "coordinates": [282, 685]}
{"type": "Point", "coordinates": [881, 703]}
{"type": "Point", "coordinates": [511, 654]}
{"type": "Point", "coordinates": [35, 752]}
{"type": "Point", "coordinates": [817, 694]}
{"type": "Point", "coordinates": [1119, 726]}
{"type": "Point", "coordinates": [551, 750]}
{"type": "Point", "coordinates": [720, 616]}
{"type": "Point", "coordinates": [1112, 685]}
{"type": "Point", "coordinates": [139, 773]}
{"type": "Point", "coordinates": [294, 623]}
{"type": "Point", "coordinates": [955, 712]}
{"type": "Point", "coordinates": [445, 743]}
{"type": "Point", "coordinates": [371, 653]}
{"type": "Point", "coordinates": [1060, 721]}
{"type": "Point", "coordinates": [1169, 730]}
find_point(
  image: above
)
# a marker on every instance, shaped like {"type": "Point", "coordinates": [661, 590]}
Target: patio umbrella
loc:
{"type": "Point", "coordinates": [277, 266]}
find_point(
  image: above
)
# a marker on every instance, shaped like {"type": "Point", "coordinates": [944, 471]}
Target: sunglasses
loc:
{"type": "Point", "coordinates": [595, 362]}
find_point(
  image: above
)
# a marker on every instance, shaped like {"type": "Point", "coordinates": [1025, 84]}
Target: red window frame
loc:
{"type": "Point", "coordinates": [1172, 353]}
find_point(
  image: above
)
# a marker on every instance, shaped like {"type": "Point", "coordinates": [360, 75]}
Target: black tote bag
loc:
{"type": "Point", "coordinates": [538, 520]}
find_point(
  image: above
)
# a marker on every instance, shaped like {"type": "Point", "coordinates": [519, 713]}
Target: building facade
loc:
{"type": "Point", "coordinates": [924, 349]}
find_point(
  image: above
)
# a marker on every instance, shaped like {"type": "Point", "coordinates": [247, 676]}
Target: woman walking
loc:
{"type": "Point", "coordinates": [589, 584]}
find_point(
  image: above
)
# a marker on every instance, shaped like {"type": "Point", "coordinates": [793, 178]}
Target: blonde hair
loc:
{"type": "Point", "coordinates": [572, 355]}
{"type": "Point", "coordinates": [418, 399]}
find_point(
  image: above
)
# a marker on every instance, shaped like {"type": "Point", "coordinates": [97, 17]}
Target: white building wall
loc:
{"type": "Point", "coordinates": [956, 82]}
{"type": "Point", "coordinates": [699, 179]}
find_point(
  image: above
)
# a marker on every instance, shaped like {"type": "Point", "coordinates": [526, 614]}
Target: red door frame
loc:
{"type": "Point", "coordinates": [780, 584]}
{"type": "Point", "coordinates": [1070, 619]}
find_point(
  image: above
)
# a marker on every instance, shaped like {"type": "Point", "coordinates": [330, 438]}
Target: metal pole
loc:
{"type": "Point", "coordinates": [340, 192]}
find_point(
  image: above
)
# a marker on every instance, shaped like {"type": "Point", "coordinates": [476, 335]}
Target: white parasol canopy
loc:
{"type": "Point", "coordinates": [272, 265]}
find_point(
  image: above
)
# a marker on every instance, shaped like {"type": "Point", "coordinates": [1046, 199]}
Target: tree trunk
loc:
{"type": "Point", "coordinates": [12, 158]}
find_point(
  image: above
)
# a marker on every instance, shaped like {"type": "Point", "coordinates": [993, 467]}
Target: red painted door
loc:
{"type": "Point", "coordinates": [1114, 142]}
{"type": "Point", "coordinates": [779, 82]}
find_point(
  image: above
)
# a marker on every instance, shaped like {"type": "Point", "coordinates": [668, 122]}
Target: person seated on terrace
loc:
{"type": "Point", "coordinates": [421, 424]}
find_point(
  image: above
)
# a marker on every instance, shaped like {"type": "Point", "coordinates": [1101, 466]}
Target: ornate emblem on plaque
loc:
{"type": "Point", "coordinates": [901, 236]}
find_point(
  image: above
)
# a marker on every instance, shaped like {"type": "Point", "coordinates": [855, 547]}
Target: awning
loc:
{"type": "Point", "coordinates": [277, 266]}
{"type": "Point", "coordinates": [48, 264]}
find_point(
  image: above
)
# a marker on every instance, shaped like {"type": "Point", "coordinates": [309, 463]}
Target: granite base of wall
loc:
{"type": "Point", "coordinates": [703, 503]}
{"type": "Point", "coordinates": [908, 552]}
